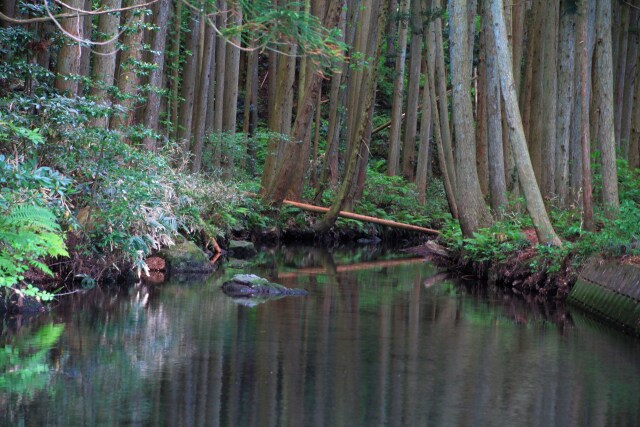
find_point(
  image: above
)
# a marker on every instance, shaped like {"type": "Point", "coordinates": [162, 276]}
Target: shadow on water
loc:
{"type": "Point", "coordinates": [379, 341]}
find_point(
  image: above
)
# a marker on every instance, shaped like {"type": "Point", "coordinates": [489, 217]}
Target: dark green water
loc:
{"type": "Point", "coordinates": [374, 344]}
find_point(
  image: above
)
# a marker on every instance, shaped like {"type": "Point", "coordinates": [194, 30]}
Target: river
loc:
{"type": "Point", "coordinates": [380, 341]}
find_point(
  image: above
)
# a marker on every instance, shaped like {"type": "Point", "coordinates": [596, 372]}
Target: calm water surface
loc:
{"type": "Point", "coordinates": [378, 342]}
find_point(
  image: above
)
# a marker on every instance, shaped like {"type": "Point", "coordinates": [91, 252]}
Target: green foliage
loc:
{"type": "Point", "coordinates": [27, 234]}
{"type": "Point", "coordinates": [495, 243]}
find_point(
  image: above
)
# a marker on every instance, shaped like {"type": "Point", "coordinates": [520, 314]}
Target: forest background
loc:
{"type": "Point", "coordinates": [125, 124]}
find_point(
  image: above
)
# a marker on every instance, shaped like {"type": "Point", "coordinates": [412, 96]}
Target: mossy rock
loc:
{"type": "Point", "coordinates": [242, 249]}
{"type": "Point", "coordinates": [186, 257]}
{"type": "Point", "coordinates": [250, 285]}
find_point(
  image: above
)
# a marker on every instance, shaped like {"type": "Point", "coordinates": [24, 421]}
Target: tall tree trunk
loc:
{"type": "Point", "coordinates": [518, 13]}
{"type": "Point", "coordinates": [175, 69]}
{"type": "Point", "coordinates": [128, 77]}
{"type": "Point", "coordinates": [221, 75]}
{"type": "Point", "coordinates": [585, 55]}
{"type": "Point", "coordinates": [443, 99]}
{"type": "Point", "coordinates": [251, 108]}
{"type": "Point", "coordinates": [535, 79]}
{"type": "Point", "coordinates": [393, 160]}
{"type": "Point", "coordinates": [566, 77]}
{"type": "Point", "coordinates": [620, 69]}
{"type": "Point", "coordinates": [330, 167]}
{"type": "Point", "coordinates": [629, 85]}
{"type": "Point", "coordinates": [442, 161]}
{"type": "Point", "coordinates": [422, 168]}
{"type": "Point", "coordinates": [70, 52]}
{"type": "Point", "coordinates": [232, 79]}
{"type": "Point", "coordinates": [471, 208]}
{"type": "Point", "coordinates": [413, 93]}
{"type": "Point", "coordinates": [202, 98]}
{"type": "Point", "coordinates": [604, 100]}
{"type": "Point", "coordinates": [189, 84]}
{"type": "Point", "coordinates": [535, 204]}
{"type": "Point", "coordinates": [480, 91]}
{"type": "Point", "coordinates": [152, 110]}
{"type": "Point", "coordinates": [497, 183]}
{"type": "Point", "coordinates": [550, 96]}
{"type": "Point", "coordinates": [104, 60]}
{"type": "Point", "coordinates": [85, 59]}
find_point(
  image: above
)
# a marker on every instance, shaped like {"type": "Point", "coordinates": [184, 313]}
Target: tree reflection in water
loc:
{"type": "Point", "coordinates": [374, 344]}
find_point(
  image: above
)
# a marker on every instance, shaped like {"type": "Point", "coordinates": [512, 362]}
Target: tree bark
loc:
{"type": "Point", "coordinates": [535, 204]}
{"type": "Point", "coordinates": [604, 107]}
{"type": "Point", "coordinates": [443, 99]}
{"type": "Point", "coordinates": [426, 124]}
{"type": "Point", "coordinates": [85, 59]}
{"type": "Point", "coordinates": [232, 79]}
{"type": "Point", "coordinates": [175, 70]}
{"type": "Point", "coordinates": [104, 61]}
{"type": "Point", "coordinates": [70, 52]}
{"type": "Point", "coordinates": [587, 213]}
{"type": "Point", "coordinates": [393, 160]}
{"type": "Point", "coordinates": [202, 98]}
{"type": "Point", "coordinates": [550, 99]}
{"type": "Point", "coordinates": [566, 78]}
{"type": "Point", "coordinates": [629, 86]}
{"type": "Point", "coordinates": [189, 84]}
{"type": "Point", "coordinates": [620, 70]}
{"type": "Point", "coordinates": [128, 77]}
{"type": "Point", "coordinates": [152, 110]}
{"type": "Point", "coordinates": [471, 207]}
{"type": "Point", "coordinates": [413, 94]}
{"type": "Point", "coordinates": [497, 183]}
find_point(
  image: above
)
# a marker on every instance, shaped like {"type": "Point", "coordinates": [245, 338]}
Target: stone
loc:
{"type": "Point", "coordinates": [250, 285]}
{"type": "Point", "coordinates": [186, 257]}
{"type": "Point", "coordinates": [242, 249]}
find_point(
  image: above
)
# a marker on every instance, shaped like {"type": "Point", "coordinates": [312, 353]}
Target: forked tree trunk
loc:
{"type": "Point", "coordinates": [535, 204]}
{"type": "Point", "coordinates": [471, 207]}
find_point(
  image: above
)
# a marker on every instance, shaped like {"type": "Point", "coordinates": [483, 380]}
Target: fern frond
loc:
{"type": "Point", "coordinates": [32, 217]}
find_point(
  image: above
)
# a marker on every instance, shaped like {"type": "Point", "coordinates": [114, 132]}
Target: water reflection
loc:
{"type": "Point", "coordinates": [374, 344]}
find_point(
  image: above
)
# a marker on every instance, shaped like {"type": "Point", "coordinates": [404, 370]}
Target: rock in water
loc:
{"type": "Point", "coordinates": [250, 285]}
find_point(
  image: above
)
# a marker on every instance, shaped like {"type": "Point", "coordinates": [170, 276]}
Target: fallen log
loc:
{"type": "Point", "coordinates": [364, 218]}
